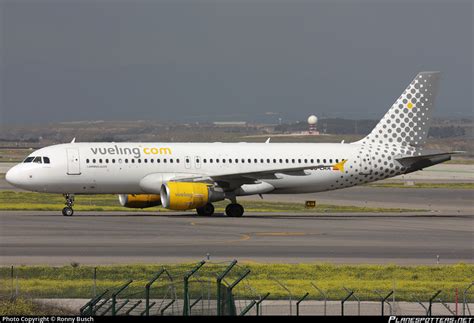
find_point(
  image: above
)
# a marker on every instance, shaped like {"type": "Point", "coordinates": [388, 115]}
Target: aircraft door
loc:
{"type": "Point", "coordinates": [73, 163]}
{"type": "Point", "coordinates": [197, 162]}
{"type": "Point", "coordinates": [187, 162]}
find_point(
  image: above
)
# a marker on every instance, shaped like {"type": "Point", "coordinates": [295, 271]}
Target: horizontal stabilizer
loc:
{"type": "Point", "coordinates": [414, 163]}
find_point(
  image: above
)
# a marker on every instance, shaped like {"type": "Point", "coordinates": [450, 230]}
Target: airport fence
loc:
{"type": "Point", "coordinates": [224, 288]}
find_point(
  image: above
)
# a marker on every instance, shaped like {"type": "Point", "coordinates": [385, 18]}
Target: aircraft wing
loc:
{"type": "Point", "coordinates": [235, 180]}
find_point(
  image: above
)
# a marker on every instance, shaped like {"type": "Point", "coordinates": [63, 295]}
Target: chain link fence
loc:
{"type": "Point", "coordinates": [224, 288]}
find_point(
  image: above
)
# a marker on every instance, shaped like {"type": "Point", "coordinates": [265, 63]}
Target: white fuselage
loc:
{"type": "Point", "coordinates": [134, 168]}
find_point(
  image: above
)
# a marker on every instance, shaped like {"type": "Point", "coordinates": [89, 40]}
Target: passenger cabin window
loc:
{"type": "Point", "coordinates": [37, 160]}
{"type": "Point", "coordinates": [28, 159]}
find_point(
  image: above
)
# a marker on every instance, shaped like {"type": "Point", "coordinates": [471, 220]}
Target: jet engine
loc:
{"type": "Point", "coordinates": [185, 196]}
{"type": "Point", "coordinates": [139, 201]}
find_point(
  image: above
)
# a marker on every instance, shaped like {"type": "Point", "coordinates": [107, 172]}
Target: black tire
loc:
{"type": "Point", "coordinates": [68, 211]}
{"type": "Point", "coordinates": [206, 210]}
{"type": "Point", "coordinates": [234, 210]}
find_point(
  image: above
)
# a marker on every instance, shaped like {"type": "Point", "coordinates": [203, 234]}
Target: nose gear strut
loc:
{"type": "Point", "coordinates": [68, 211]}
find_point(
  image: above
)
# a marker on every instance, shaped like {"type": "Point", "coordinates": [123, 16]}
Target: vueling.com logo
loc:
{"type": "Point", "coordinates": [136, 152]}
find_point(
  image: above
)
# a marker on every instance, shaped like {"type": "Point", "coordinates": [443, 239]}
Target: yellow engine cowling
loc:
{"type": "Point", "coordinates": [185, 196]}
{"type": "Point", "coordinates": [139, 201]}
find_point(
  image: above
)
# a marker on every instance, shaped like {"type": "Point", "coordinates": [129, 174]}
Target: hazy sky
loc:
{"type": "Point", "coordinates": [228, 60]}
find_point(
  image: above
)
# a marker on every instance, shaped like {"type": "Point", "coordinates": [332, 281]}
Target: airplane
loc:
{"type": "Point", "coordinates": [185, 176]}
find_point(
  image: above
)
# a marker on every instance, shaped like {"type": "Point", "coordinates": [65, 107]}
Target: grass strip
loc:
{"type": "Point", "coordinates": [408, 281]}
{"type": "Point", "coordinates": [10, 200]}
{"type": "Point", "coordinates": [465, 186]}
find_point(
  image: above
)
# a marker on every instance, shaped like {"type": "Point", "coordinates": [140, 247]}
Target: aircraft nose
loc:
{"type": "Point", "coordinates": [13, 176]}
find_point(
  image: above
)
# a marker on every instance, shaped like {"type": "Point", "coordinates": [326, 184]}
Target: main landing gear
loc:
{"type": "Point", "coordinates": [68, 211]}
{"type": "Point", "coordinates": [206, 210]}
{"type": "Point", "coordinates": [232, 210]}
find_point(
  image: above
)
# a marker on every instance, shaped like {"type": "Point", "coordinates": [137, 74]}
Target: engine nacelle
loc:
{"type": "Point", "coordinates": [185, 196]}
{"type": "Point", "coordinates": [139, 201]}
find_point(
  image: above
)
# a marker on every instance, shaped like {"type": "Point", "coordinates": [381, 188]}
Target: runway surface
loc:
{"type": "Point", "coordinates": [121, 237]}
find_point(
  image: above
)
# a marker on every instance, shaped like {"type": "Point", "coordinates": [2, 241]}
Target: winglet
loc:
{"type": "Point", "coordinates": [267, 141]}
{"type": "Point", "coordinates": [73, 140]}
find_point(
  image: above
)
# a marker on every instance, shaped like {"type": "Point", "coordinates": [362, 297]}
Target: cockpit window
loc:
{"type": "Point", "coordinates": [46, 160]}
{"type": "Point", "coordinates": [28, 159]}
{"type": "Point", "coordinates": [37, 160]}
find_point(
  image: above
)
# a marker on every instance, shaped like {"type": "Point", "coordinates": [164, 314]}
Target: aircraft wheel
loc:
{"type": "Point", "coordinates": [234, 210]}
{"type": "Point", "coordinates": [206, 210]}
{"type": "Point", "coordinates": [68, 211]}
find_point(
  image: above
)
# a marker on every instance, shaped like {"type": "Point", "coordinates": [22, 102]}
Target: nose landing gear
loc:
{"type": "Point", "coordinates": [68, 211]}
